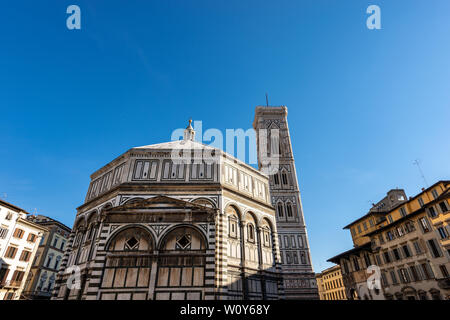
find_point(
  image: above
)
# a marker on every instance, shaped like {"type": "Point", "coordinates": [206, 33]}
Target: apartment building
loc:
{"type": "Point", "coordinates": [47, 262]}
{"type": "Point", "coordinates": [409, 241]}
{"type": "Point", "coordinates": [330, 284]}
{"type": "Point", "coordinates": [19, 241]}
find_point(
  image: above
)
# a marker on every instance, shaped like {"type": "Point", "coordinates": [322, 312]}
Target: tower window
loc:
{"type": "Point", "coordinates": [289, 210]}
{"type": "Point", "coordinates": [284, 178]}
{"type": "Point", "coordinates": [276, 179]}
{"type": "Point", "coordinates": [280, 210]}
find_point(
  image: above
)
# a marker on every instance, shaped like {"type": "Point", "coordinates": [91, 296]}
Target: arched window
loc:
{"type": "Point", "coordinates": [51, 282]}
{"type": "Point", "coordinates": [232, 226]}
{"type": "Point", "coordinates": [58, 260]}
{"type": "Point", "coordinates": [276, 179]}
{"type": "Point", "coordinates": [128, 262]}
{"type": "Point", "coordinates": [289, 210]}
{"type": "Point", "coordinates": [280, 210]}
{"type": "Point", "coordinates": [49, 260]}
{"type": "Point", "coordinates": [181, 264]}
{"type": "Point", "coordinates": [284, 178]}
{"type": "Point", "coordinates": [250, 232]}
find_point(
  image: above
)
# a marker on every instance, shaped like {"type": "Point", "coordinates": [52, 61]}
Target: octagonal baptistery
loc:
{"type": "Point", "coordinates": [153, 228]}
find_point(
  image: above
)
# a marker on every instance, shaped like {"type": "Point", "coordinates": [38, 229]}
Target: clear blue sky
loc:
{"type": "Point", "coordinates": [363, 105]}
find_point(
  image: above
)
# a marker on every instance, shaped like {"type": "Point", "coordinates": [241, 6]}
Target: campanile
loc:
{"type": "Point", "coordinates": [275, 143]}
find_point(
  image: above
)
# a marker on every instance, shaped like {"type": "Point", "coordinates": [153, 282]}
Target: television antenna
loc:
{"type": "Point", "coordinates": [417, 163]}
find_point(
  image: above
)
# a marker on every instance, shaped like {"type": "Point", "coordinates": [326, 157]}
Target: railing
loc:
{"type": "Point", "coordinates": [11, 284]}
{"type": "Point", "coordinates": [444, 283]}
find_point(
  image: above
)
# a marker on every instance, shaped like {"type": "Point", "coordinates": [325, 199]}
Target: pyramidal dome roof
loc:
{"type": "Point", "coordinates": [188, 142]}
{"type": "Point", "coordinates": [178, 144]}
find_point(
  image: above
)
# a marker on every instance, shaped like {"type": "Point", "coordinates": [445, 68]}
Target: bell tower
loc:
{"type": "Point", "coordinates": [274, 145]}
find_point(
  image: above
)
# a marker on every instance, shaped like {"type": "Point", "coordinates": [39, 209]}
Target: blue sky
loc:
{"type": "Point", "coordinates": [363, 104]}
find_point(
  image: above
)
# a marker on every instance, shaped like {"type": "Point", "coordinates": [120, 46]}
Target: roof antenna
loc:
{"type": "Point", "coordinates": [416, 162]}
{"type": "Point", "coordinates": [267, 99]}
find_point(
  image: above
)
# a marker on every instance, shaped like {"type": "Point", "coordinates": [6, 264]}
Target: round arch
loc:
{"type": "Point", "coordinates": [236, 210]}
{"type": "Point", "coordinates": [267, 222]}
{"type": "Point", "coordinates": [79, 222]}
{"type": "Point", "coordinates": [253, 216]}
{"type": "Point", "coordinates": [168, 232]}
{"type": "Point", "coordinates": [202, 201]}
{"type": "Point", "coordinates": [90, 216]}
{"type": "Point", "coordinates": [125, 228]}
{"type": "Point", "coordinates": [135, 199]}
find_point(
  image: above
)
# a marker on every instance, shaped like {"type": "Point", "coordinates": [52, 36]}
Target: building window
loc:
{"type": "Point", "coordinates": [442, 232]}
{"type": "Point", "coordinates": [434, 193]}
{"type": "Point", "coordinates": [404, 276]}
{"type": "Point", "coordinates": [25, 256]}
{"type": "Point", "coordinates": [421, 203]}
{"type": "Point", "coordinates": [289, 210]}
{"type": "Point", "coordinates": [378, 259]}
{"type": "Point", "coordinates": [403, 211]}
{"type": "Point", "coordinates": [434, 248]}
{"type": "Point", "coordinates": [284, 178]}
{"type": "Point", "coordinates": [365, 226]}
{"type": "Point", "coordinates": [49, 260]}
{"type": "Point", "coordinates": [396, 254]}
{"type": "Point", "coordinates": [359, 228]}
{"type": "Point", "coordinates": [424, 224]}
{"type": "Point", "coordinates": [387, 257]}
{"type": "Point", "coordinates": [288, 258]}
{"type": "Point", "coordinates": [427, 271]}
{"type": "Point", "coordinates": [295, 257]}
{"type": "Point", "coordinates": [3, 232]}
{"type": "Point", "coordinates": [58, 260]}
{"type": "Point", "coordinates": [251, 232]}
{"type": "Point", "coordinates": [280, 210]}
{"type": "Point", "coordinates": [406, 251]}
{"type": "Point", "coordinates": [409, 227]}
{"type": "Point", "coordinates": [417, 247]}
{"type": "Point", "coordinates": [443, 206]}
{"type": "Point", "coordinates": [444, 270]}
{"type": "Point", "coordinates": [303, 257]}
{"type": "Point", "coordinates": [345, 265]}
{"type": "Point", "coordinates": [400, 231]}
{"type": "Point", "coordinates": [8, 216]}
{"type": "Point", "coordinates": [18, 233]}
{"type": "Point", "coordinates": [31, 238]}
{"type": "Point", "coordinates": [432, 212]}
{"type": "Point", "coordinates": [233, 227]}
{"type": "Point", "coordinates": [390, 218]}
{"type": "Point", "coordinates": [414, 274]}
{"type": "Point", "coordinates": [389, 236]}
{"type": "Point", "coordinates": [356, 264]}
{"type": "Point", "coordinates": [11, 252]}
{"type": "Point", "coordinates": [393, 277]}
{"type": "Point", "coordinates": [367, 260]}
{"type": "Point", "coordinates": [276, 179]}
{"type": "Point", "coordinates": [384, 279]}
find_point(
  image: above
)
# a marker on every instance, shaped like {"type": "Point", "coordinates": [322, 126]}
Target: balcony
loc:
{"type": "Point", "coordinates": [444, 283]}
{"type": "Point", "coordinates": [11, 284]}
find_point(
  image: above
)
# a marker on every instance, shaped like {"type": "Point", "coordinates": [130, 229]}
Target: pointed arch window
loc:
{"type": "Point", "coordinates": [276, 179]}
{"type": "Point", "coordinates": [284, 178]}
{"type": "Point", "coordinates": [289, 210]}
{"type": "Point", "coordinates": [280, 210]}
